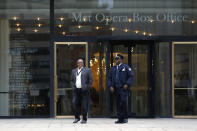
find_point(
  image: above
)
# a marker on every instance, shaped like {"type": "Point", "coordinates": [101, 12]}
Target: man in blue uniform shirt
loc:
{"type": "Point", "coordinates": [120, 78]}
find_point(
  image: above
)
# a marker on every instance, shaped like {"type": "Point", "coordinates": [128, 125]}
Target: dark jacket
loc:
{"type": "Point", "coordinates": [126, 76]}
{"type": "Point", "coordinates": [86, 78]}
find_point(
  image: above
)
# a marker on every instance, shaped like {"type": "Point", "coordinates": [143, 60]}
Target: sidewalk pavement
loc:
{"type": "Point", "coordinates": [98, 124]}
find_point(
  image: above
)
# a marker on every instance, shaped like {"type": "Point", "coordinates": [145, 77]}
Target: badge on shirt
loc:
{"type": "Point", "coordinates": [123, 69]}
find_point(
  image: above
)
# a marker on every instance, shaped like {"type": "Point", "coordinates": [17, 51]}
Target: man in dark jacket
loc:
{"type": "Point", "coordinates": [120, 78]}
{"type": "Point", "coordinates": [81, 82]}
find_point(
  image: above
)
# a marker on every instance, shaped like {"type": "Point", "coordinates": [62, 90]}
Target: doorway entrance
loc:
{"type": "Point", "coordinates": [138, 55]}
{"type": "Point", "coordinates": [65, 57]}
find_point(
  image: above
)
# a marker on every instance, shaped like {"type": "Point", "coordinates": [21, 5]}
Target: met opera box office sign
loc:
{"type": "Point", "coordinates": [40, 42]}
{"type": "Point", "coordinates": [134, 17]}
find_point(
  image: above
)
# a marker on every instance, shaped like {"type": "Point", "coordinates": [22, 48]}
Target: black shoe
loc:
{"type": "Point", "coordinates": [125, 121]}
{"type": "Point", "coordinates": [119, 122]}
{"type": "Point", "coordinates": [76, 120]}
{"type": "Point", "coordinates": [83, 122]}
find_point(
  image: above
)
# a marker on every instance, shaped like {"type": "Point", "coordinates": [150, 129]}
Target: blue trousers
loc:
{"type": "Point", "coordinates": [121, 103]}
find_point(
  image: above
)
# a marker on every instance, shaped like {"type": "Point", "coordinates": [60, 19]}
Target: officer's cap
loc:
{"type": "Point", "coordinates": [119, 56]}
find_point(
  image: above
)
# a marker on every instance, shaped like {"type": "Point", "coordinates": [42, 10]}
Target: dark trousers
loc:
{"type": "Point", "coordinates": [80, 98]}
{"type": "Point", "coordinates": [121, 103]}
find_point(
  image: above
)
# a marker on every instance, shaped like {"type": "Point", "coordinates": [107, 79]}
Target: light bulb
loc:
{"type": "Point", "coordinates": [126, 30]}
{"type": "Point", "coordinates": [35, 30]}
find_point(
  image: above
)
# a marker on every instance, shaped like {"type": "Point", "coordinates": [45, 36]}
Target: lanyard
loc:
{"type": "Point", "coordinates": [79, 72]}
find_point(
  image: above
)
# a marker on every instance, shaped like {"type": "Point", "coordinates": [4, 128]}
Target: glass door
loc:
{"type": "Point", "coordinates": [138, 56]}
{"type": "Point", "coordinates": [184, 79]}
{"type": "Point", "coordinates": [141, 63]}
{"type": "Point", "coordinates": [65, 57]}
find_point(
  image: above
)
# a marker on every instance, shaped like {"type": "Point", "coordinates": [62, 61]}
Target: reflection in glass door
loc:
{"type": "Point", "coordinates": [66, 55]}
{"type": "Point", "coordinates": [138, 57]}
{"type": "Point", "coordinates": [98, 91]}
{"type": "Point", "coordinates": [140, 62]}
{"type": "Point", "coordinates": [184, 79]}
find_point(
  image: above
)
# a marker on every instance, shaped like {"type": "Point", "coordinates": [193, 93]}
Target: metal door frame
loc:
{"type": "Point", "coordinates": [55, 73]}
{"type": "Point", "coordinates": [173, 91]}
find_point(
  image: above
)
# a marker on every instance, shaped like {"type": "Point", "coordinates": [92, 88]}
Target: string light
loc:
{"type": "Point", "coordinates": [97, 28]}
{"type": "Point", "coordinates": [60, 25]}
{"type": "Point", "coordinates": [61, 18]}
{"type": "Point", "coordinates": [84, 19]}
{"type": "Point", "coordinates": [35, 30]}
{"type": "Point", "coordinates": [39, 25]}
{"type": "Point", "coordinates": [18, 29]}
{"type": "Point", "coordinates": [144, 33]}
{"type": "Point", "coordinates": [18, 24]}
{"type": "Point", "coordinates": [14, 18]}
{"type": "Point", "coordinates": [38, 18]}
{"type": "Point", "coordinates": [193, 21]}
{"type": "Point", "coordinates": [79, 26]}
{"type": "Point", "coordinates": [107, 19]}
{"type": "Point", "coordinates": [173, 21]}
{"type": "Point", "coordinates": [136, 31]}
{"type": "Point", "coordinates": [150, 34]}
{"type": "Point", "coordinates": [112, 29]}
{"type": "Point", "coordinates": [63, 33]}
{"type": "Point", "coordinates": [151, 20]}
{"type": "Point", "coordinates": [130, 20]}
{"type": "Point", "coordinates": [126, 30]}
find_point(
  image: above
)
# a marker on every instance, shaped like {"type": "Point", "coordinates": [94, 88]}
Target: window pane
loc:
{"type": "Point", "coordinates": [98, 68]}
{"type": "Point", "coordinates": [162, 81]}
{"type": "Point", "coordinates": [185, 79]}
{"type": "Point", "coordinates": [24, 58]}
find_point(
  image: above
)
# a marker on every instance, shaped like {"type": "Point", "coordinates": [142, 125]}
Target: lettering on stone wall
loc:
{"type": "Point", "coordinates": [136, 17]}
